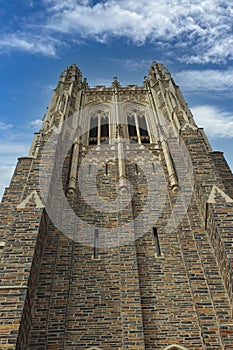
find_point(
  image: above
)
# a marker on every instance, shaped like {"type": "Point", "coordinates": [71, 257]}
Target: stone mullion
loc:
{"type": "Point", "coordinates": [137, 127]}
{"type": "Point", "coordinates": [99, 129]}
{"type": "Point", "coordinates": [148, 127]}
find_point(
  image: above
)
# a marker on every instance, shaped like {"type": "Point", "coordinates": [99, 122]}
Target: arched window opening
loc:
{"type": "Point", "coordinates": [93, 133]}
{"type": "Point", "coordinates": [143, 129]}
{"type": "Point", "coordinates": [132, 130]}
{"type": "Point", "coordinates": [99, 128]}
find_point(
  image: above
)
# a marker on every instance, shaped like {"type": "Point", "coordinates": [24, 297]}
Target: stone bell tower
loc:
{"type": "Point", "coordinates": [116, 230]}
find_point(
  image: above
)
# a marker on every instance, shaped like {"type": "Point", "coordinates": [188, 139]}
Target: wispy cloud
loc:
{"type": "Point", "coordinates": [35, 124]}
{"type": "Point", "coordinates": [204, 80]}
{"type": "Point", "coordinates": [5, 176]}
{"type": "Point", "coordinates": [217, 123]}
{"type": "Point", "coordinates": [11, 149]}
{"type": "Point", "coordinates": [31, 43]}
{"type": "Point", "coordinates": [133, 65]}
{"type": "Point", "coordinates": [4, 126]}
{"type": "Point", "coordinates": [9, 153]}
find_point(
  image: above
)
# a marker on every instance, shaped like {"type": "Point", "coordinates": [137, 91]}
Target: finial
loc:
{"type": "Point", "coordinates": [85, 83]}
{"type": "Point", "coordinates": [115, 83]}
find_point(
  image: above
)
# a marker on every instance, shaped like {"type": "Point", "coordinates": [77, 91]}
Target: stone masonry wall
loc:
{"type": "Point", "coordinates": [141, 291]}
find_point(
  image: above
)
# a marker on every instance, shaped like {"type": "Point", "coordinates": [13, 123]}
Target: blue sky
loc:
{"type": "Point", "coordinates": [38, 39]}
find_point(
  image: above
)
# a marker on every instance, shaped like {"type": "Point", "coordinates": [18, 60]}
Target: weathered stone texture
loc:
{"type": "Point", "coordinates": [135, 290]}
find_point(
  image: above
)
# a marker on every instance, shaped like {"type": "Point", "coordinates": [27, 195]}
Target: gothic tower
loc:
{"type": "Point", "coordinates": [116, 230]}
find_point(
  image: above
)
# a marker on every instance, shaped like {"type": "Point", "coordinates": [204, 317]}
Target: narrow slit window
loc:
{"type": "Point", "coordinates": [106, 169]}
{"type": "Point", "coordinates": [153, 168]}
{"type": "Point", "coordinates": [89, 169]}
{"type": "Point", "coordinates": [96, 244]}
{"type": "Point", "coordinates": [206, 214]}
{"type": "Point", "coordinates": [136, 168]}
{"type": "Point", "coordinates": [156, 239]}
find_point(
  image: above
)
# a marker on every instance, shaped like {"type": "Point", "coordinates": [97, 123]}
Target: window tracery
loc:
{"type": "Point", "coordinates": [137, 127]}
{"type": "Point", "coordinates": [99, 128]}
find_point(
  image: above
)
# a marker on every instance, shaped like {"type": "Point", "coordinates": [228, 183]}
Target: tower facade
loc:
{"type": "Point", "coordinates": [116, 230]}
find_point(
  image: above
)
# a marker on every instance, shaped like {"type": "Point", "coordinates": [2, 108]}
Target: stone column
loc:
{"type": "Point", "coordinates": [73, 169]}
{"type": "Point", "coordinates": [119, 142]}
{"type": "Point", "coordinates": [170, 167]}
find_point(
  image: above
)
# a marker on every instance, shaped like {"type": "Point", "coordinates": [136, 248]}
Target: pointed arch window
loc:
{"type": "Point", "coordinates": [99, 128]}
{"type": "Point", "coordinates": [137, 127]}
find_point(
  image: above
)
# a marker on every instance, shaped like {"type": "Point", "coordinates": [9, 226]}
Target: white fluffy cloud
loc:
{"type": "Point", "coordinates": [197, 31]}
{"type": "Point", "coordinates": [203, 29]}
{"type": "Point", "coordinates": [217, 123]}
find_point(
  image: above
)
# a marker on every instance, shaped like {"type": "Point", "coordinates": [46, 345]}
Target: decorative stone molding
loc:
{"type": "Point", "coordinates": [32, 200]}
{"type": "Point", "coordinates": [2, 245]}
{"type": "Point", "coordinates": [175, 347]}
{"type": "Point", "coordinates": [215, 193]}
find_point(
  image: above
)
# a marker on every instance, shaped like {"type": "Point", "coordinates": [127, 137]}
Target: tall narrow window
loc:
{"type": "Point", "coordinates": [143, 129]}
{"type": "Point", "coordinates": [136, 168]}
{"type": "Point", "coordinates": [156, 239]}
{"type": "Point", "coordinates": [93, 133]}
{"type": "Point", "coordinates": [96, 244]}
{"type": "Point", "coordinates": [104, 129]}
{"type": "Point", "coordinates": [132, 128]}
